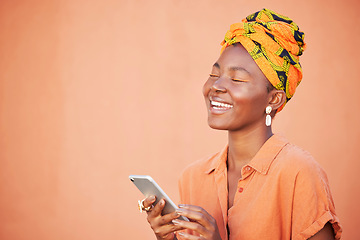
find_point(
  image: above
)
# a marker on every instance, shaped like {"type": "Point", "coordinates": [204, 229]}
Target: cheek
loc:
{"type": "Point", "coordinates": [242, 95]}
{"type": "Point", "coordinates": [206, 88]}
{"type": "Point", "coordinates": [250, 98]}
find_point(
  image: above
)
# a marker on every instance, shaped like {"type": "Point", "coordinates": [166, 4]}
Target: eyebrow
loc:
{"type": "Point", "coordinates": [232, 68]}
{"type": "Point", "coordinates": [216, 65]}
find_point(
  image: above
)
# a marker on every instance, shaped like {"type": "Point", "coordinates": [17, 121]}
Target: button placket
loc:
{"type": "Point", "coordinates": [241, 185]}
{"type": "Point", "coordinates": [246, 172]}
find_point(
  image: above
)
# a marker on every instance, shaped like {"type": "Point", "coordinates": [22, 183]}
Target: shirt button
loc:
{"type": "Point", "coordinates": [241, 190]}
{"type": "Point", "coordinates": [247, 169]}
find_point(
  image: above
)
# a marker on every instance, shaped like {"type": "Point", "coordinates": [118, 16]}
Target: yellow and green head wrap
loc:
{"type": "Point", "coordinates": [275, 43]}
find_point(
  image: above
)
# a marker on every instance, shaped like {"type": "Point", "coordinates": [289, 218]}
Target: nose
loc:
{"type": "Point", "coordinates": [218, 86]}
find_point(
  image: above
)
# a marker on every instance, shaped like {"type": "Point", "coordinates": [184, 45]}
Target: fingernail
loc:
{"type": "Point", "coordinates": [181, 205]}
{"type": "Point", "coordinates": [179, 211]}
{"type": "Point", "coordinates": [176, 214]}
{"type": "Point", "coordinates": [175, 222]}
{"type": "Point", "coordinates": [181, 233]}
{"type": "Point", "coordinates": [152, 198]}
{"type": "Point", "coordinates": [162, 202]}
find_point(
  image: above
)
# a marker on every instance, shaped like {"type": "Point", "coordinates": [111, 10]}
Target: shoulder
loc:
{"type": "Point", "coordinates": [295, 158]}
{"type": "Point", "coordinates": [312, 202]}
{"type": "Point", "coordinates": [199, 167]}
{"type": "Point", "coordinates": [294, 165]}
{"type": "Point", "coordinates": [195, 176]}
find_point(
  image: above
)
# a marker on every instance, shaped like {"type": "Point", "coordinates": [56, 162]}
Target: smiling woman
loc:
{"type": "Point", "coordinates": [259, 186]}
{"type": "Point", "coordinates": [237, 81]}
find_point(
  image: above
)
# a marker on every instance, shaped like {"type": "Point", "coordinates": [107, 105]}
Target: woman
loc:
{"type": "Point", "coordinates": [259, 186]}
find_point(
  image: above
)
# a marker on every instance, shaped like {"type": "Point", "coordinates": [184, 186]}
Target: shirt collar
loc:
{"type": "Point", "coordinates": [218, 161]}
{"type": "Point", "coordinates": [261, 161]}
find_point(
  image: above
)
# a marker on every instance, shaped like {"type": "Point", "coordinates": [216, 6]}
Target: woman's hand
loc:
{"type": "Point", "coordinates": [161, 225]}
{"type": "Point", "coordinates": [201, 223]}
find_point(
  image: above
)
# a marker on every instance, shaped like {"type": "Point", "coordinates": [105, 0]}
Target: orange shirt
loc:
{"type": "Point", "coordinates": [283, 194]}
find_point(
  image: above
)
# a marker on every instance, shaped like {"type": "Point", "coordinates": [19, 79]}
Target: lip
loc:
{"type": "Point", "coordinates": [219, 106]}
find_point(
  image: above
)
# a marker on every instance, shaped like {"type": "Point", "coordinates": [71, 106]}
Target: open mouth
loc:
{"type": "Point", "coordinates": [220, 106]}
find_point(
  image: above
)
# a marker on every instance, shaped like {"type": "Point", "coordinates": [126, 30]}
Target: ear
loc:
{"type": "Point", "coordinates": [277, 99]}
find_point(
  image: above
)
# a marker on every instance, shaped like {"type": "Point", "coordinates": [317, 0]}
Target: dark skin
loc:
{"type": "Point", "coordinates": [236, 96]}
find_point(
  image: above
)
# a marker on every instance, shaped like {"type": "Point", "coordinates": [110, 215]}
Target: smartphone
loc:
{"type": "Point", "coordinates": [149, 187]}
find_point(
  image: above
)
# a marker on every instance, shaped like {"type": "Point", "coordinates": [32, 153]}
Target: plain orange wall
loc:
{"type": "Point", "coordinates": [92, 91]}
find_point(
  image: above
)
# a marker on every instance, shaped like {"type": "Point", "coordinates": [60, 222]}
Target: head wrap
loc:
{"type": "Point", "coordinates": [275, 43]}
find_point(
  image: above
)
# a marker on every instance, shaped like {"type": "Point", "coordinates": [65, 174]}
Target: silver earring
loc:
{"type": "Point", "coordinates": [268, 117]}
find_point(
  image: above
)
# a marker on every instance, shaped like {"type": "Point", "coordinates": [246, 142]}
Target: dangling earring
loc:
{"type": "Point", "coordinates": [268, 117]}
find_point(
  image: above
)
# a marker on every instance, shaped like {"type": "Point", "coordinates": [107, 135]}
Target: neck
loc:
{"type": "Point", "coordinates": [243, 145]}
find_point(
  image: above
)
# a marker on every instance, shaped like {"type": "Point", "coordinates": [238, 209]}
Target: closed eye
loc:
{"type": "Point", "coordinates": [239, 80]}
{"type": "Point", "coordinates": [213, 75]}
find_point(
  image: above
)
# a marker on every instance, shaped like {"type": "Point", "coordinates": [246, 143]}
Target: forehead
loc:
{"type": "Point", "coordinates": [236, 57]}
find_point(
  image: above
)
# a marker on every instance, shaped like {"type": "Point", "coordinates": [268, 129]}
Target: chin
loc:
{"type": "Point", "coordinates": [217, 126]}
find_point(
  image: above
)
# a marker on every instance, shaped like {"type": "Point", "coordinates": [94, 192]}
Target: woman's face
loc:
{"type": "Point", "coordinates": [236, 92]}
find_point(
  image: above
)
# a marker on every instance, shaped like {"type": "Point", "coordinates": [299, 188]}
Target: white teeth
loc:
{"type": "Point", "coordinates": [219, 104]}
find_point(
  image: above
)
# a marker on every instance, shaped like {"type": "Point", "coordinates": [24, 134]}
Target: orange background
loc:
{"type": "Point", "coordinates": [92, 91]}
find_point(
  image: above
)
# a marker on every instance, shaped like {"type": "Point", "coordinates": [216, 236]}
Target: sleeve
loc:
{"type": "Point", "coordinates": [183, 191]}
{"type": "Point", "coordinates": [184, 185]}
{"type": "Point", "coordinates": [313, 205]}
{"type": "Point", "coordinates": [182, 194]}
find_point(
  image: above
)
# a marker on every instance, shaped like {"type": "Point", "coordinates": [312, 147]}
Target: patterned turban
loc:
{"type": "Point", "coordinates": [275, 43]}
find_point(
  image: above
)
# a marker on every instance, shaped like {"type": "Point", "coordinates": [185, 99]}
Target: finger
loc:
{"type": "Point", "coordinates": [196, 209]}
{"type": "Point", "coordinates": [165, 230]}
{"type": "Point", "coordinates": [156, 220]}
{"type": "Point", "coordinates": [162, 225]}
{"type": "Point", "coordinates": [149, 201]}
{"type": "Point", "coordinates": [157, 209]}
{"type": "Point", "coordinates": [196, 213]}
{"type": "Point", "coordinates": [170, 236]}
{"type": "Point", "coordinates": [185, 235]}
{"type": "Point", "coordinates": [192, 226]}
{"type": "Point", "coordinates": [166, 219]}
